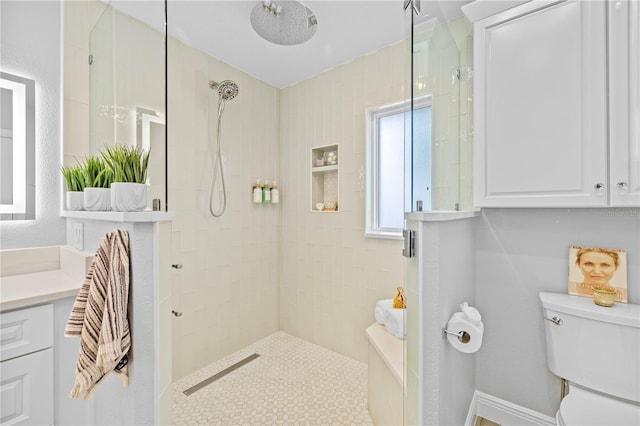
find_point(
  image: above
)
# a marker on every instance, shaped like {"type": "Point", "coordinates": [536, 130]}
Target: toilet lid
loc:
{"type": "Point", "coordinates": [589, 409]}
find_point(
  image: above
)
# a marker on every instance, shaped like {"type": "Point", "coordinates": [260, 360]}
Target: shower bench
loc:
{"type": "Point", "coordinates": [385, 376]}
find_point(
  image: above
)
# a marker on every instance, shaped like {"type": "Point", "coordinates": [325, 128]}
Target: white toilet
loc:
{"type": "Point", "coordinates": [597, 350]}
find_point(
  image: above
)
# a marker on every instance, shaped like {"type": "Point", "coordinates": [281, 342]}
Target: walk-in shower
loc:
{"type": "Point", "coordinates": [227, 90]}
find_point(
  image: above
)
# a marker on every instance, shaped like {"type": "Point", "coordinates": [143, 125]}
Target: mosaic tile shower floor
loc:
{"type": "Point", "coordinates": [293, 382]}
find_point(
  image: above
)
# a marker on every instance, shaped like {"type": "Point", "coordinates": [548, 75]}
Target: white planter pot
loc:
{"type": "Point", "coordinates": [128, 197]}
{"type": "Point", "coordinates": [75, 200]}
{"type": "Point", "coordinates": [97, 199]}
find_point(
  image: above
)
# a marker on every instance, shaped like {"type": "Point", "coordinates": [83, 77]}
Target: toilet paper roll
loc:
{"type": "Point", "coordinates": [472, 340]}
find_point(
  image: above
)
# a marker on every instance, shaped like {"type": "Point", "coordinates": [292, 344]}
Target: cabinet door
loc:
{"type": "Point", "coordinates": [27, 389]}
{"type": "Point", "coordinates": [25, 330]}
{"type": "Point", "coordinates": [624, 87]}
{"type": "Point", "coordinates": [540, 87]}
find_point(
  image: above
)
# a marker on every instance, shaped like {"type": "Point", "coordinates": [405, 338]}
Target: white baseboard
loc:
{"type": "Point", "coordinates": [504, 412]}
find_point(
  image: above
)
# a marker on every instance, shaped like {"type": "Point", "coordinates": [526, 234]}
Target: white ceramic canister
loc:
{"type": "Point", "coordinates": [75, 200]}
{"type": "Point", "coordinates": [128, 197]}
{"type": "Point", "coordinates": [97, 199]}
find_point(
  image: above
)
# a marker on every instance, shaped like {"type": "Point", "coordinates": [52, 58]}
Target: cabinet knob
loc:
{"type": "Point", "coordinates": [599, 186]}
{"type": "Point", "coordinates": [623, 185]}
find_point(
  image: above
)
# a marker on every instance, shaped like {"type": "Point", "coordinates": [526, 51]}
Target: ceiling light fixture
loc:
{"type": "Point", "coordinates": [286, 23]}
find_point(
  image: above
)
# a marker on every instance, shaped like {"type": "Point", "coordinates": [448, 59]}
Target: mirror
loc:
{"type": "Point", "coordinates": [150, 135]}
{"type": "Point", "coordinates": [17, 147]}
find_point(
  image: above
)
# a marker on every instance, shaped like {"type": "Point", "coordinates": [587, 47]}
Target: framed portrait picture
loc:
{"type": "Point", "coordinates": [591, 267]}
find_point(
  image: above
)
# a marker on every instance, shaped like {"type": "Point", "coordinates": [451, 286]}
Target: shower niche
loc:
{"type": "Point", "coordinates": [324, 179]}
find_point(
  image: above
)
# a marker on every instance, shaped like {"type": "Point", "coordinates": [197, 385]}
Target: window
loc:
{"type": "Point", "coordinates": [398, 172]}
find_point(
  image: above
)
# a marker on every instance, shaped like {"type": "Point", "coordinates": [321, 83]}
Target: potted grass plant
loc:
{"type": "Point", "coordinates": [74, 177]}
{"type": "Point", "coordinates": [98, 177]}
{"type": "Point", "coordinates": [129, 166]}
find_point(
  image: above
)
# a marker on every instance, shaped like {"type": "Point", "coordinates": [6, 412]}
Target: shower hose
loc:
{"type": "Point", "coordinates": [216, 158]}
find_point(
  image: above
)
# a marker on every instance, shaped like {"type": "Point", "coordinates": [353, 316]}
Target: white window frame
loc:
{"type": "Point", "coordinates": [373, 116]}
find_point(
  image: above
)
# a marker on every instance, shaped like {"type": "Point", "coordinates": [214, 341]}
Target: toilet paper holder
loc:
{"type": "Point", "coordinates": [462, 336]}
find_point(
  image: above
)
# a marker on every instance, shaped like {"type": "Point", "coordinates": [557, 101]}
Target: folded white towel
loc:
{"type": "Point", "coordinates": [390, 317]}
{"type": "Point", "coordinates": [394, 322]}
{"type": "Point", "coordinates": [382, 306]}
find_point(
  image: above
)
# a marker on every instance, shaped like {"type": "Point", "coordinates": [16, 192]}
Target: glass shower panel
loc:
{"type": "Point", "coordinates": [438, 166]}
{"type": "Point", "coordinates": [127, 90]}
{"type": "Point", "coordinates": [101, 83]}
{"type": "Point", "coordinates": [410, 350]}
{"type": "Point", "coordinates": [441, 60]}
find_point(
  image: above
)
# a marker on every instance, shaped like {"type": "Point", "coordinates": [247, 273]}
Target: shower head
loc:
{"type": "Point", "coordinates": [227, 89]}
{"type": "Point", "coordinates": [286, 23]}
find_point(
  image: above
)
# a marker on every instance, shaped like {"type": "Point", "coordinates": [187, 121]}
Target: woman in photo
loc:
{"type": "Point", "coordinates": [598, 267]}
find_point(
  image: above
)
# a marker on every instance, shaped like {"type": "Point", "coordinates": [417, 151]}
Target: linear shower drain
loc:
{"type": "Point", "coordinates": [220, 375]}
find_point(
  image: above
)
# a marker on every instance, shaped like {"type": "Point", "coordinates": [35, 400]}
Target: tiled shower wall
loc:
{"type": "Point", "coordinates": [331, 274]}
{"type": "Point", "coordinates": [227, 289]}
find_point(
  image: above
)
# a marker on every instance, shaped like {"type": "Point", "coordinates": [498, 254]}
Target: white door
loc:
{"type": "Point", "coordinates": [540, 83]}
{"type": "Point", "coordinates": [624, 87]}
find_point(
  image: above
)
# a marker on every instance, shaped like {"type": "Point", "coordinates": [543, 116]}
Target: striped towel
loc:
{"type": "Point", "coordinates": [99, 317]}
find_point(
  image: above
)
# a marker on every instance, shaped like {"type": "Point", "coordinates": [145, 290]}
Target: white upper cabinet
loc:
{"type": "Point", "coordinates": [542, 130]}
{"type": "Point", "coordinates": [624, 98]}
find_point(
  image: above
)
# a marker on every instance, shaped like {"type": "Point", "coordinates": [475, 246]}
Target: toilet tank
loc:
{"type": "Point", "coordinates": [593, 346]}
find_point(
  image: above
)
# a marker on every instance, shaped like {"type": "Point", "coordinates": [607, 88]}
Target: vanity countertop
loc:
{"type": "Point", "coordinates": [40, 274]}
{"type": "Point", "coordinates": [19, 291]}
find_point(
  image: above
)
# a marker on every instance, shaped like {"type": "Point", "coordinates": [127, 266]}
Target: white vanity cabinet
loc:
{"type": "Point", "coordinates": [543, 137]}
{"type": "Point", "coordinates": [26, 366]}
{"type": "Point", "coordinates": [624, 98]}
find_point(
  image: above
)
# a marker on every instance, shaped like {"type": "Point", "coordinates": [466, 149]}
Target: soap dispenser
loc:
{"type": "Point", "coordinates": [266, 193]}
{"type": "Point", "coordinates": [275, 193]}
{"type": "Point", "coordinates": [257, 192]}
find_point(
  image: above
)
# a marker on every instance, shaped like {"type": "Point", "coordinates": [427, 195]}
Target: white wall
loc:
{"type": "Point", "coordinates": [331, 274]}
{"type": "Point", "coordinates": [520, 252]}
{"type": "Point", "coordinates": [228, 287]}
{"type": "Point", "coordinates": [31, 47]}
{"type": "Point", "coordinates": [112, 403]}
{"type": "Point", "coordinates": [438, 279]}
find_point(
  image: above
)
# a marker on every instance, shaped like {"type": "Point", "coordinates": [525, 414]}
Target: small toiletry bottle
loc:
{"type": "Point", "coordinates": [275, 193]}
{"type": "Point", "coordinates": [266, 193]}
{"type": "Point", "coordinates": [257, 192]}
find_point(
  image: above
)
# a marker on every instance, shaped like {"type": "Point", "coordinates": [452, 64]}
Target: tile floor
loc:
{"type": "Point", "coordinates": [293, 382]}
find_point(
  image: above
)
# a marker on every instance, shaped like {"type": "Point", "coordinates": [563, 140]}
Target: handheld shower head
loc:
{"type": "Point", "coordinates": [227, 89]}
